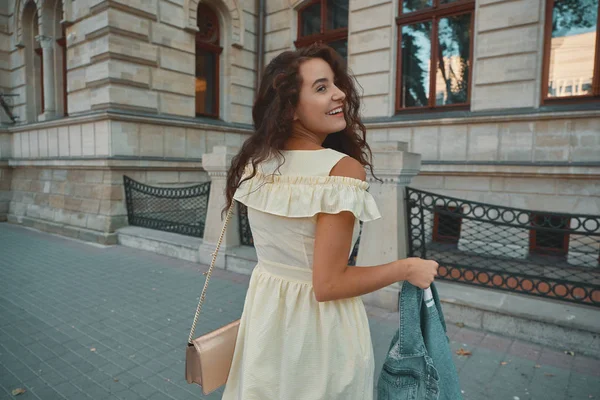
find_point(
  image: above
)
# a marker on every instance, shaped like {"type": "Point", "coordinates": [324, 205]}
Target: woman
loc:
{"type": "Point", "coordinates": [304, 333]}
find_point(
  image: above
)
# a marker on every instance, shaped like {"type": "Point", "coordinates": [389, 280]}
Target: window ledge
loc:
{"type": "Point", "coordinates": [503, 115]}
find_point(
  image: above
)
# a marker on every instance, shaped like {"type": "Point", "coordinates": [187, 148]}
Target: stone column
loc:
{"type": "Point", "coordinates": [385, 240]}
{"type": "Point", "coordinates": [47, 44]}
{"type": "Point", "coordinates": [217, 164]}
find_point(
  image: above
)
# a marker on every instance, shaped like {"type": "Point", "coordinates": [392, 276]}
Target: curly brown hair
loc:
{"type": "Point", "coordinates": [274, 108]}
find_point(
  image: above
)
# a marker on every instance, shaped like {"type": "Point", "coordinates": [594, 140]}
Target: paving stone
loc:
{"type": "Point", "coordinates": [76, 297]}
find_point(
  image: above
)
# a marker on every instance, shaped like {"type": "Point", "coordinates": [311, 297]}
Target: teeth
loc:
{"type": "Point", "coordinates": [336, 111]}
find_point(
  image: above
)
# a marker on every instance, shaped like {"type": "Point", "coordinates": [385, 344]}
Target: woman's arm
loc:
{"type": "Point", "coordinates": [333, 279]}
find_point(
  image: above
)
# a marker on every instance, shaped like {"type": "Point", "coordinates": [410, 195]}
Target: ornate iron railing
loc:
{"type": "Point", "coordinates": [171, 209]}
{"type": "Point", "coordinates": [531, 252]}
{"type": "Point", "coordinates": [246, 238]}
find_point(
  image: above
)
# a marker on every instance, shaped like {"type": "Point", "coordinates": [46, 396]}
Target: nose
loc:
{"type": "Point", "coordinates": [338, 95]}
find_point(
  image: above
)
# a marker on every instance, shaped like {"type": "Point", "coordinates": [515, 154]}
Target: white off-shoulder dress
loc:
{"type": "Point", "coordinates": [289, 346]}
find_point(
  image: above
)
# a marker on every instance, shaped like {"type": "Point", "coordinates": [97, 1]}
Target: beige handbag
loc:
{"type": "Point", "coordinates": [208, 358]}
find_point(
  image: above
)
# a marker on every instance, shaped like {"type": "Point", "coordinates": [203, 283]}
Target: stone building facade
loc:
{"type": "Point", "coordinates": [503, 120]}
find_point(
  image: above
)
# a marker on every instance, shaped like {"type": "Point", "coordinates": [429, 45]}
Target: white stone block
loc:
{"type": "Point", "coordinates": [279, 40]}
{"type": "Point", "coordinates": [102, 138]}
{"type": "Point", "coordinates": [509, 68]}
{"type": "Point", "coordinates": [63, 141]}
{"type": "Point", "coordinates": [497, 43]}
{"type": "Point", "coordinates": [453, 142]}
{"type": "Point", "coordinates": [362, 64]}
{"type": "Point", "coordinates": [34, 149]}
{"type": "Point", "coordinates": [516, 141]}
{"type": "Point", "coordinates": [128, 71]}
{"type": "Point", "coordinates": [133, 47]}
{"type": "Point", "coordinates": [173, 82]}
{"type": "Point", "coordinates": [125, 138]}
{"type": "Point", "coordinates": [279, 20]}
{"type": "Point", "coordinates": [133, 96]}
{"type": "Point", "coordinates": [506, 95]}
{"type": "Point", "coordinates": [355, 5]}
{"type": "Point", "coordinates": [530, 185]}
{"type": "Point", "coordinates": [273, 6]}
{"type": "Point", "coordinates": [508, 14]}
{"type": "Point", "coordinates": [585, 137]}
{"type": "Point", "coordinates": [88, 147]}
{"type": "Point", "coordinates": [242, 95]}
{"type": "Point", "coordinates": [172, 37]}
{"type": "Point", "coordinates": [43, 142]}
{"type": "Point", "coordinates": [374, 84]}
{"type": "Point", "coordinates": [483, 142]}
{"type": "Point", "coordinates": [195, 143]}
{"type": "Point", "coordinates": [76, 79]}
{"type": "Point", "coordinates": [128, 22]}
{"type": "Point", "coordinates": [426, 142]}
{"type": "Point", "coordinates": [375, 106]}
{"type": "Point", "coordinates": [151, 140]}
{"type": "Point", "coordinates": [79, 101]}
{"type": "Point", "coordinates": [177, 60]}
{"type": "Point", "coordinates": [377, 39]}
{"type": "Point", "coordinates": [75, 140]}
{"type": "Point", "coordinates": [377, 16]}
{"type": "Point", "coordinates": [171, 14]}
{"type": "Point", "coordinates": [52, 142]}
{"type": "Point", "coordinates": [147, 6]}
{"type": "Point", "coordinates": [16, 145]}
{"type": "Point", "coordinates": [175, 144]}
{"type": "Point", "coordinates": [177, 105]}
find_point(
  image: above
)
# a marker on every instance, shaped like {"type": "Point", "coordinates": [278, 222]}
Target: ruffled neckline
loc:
{"type": "Point", "coordinates": [306, 196]}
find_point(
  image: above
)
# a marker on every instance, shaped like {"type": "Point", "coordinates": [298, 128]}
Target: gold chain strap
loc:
{"type": "Point", "coordinates": [209, 272]}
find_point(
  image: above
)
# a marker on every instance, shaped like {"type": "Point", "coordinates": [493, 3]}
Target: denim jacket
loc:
{"type": "Point", "coordinates": [419, 363]}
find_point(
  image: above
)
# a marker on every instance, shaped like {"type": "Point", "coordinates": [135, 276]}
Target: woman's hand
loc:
{"type": "Point", "coordinates": [421, 272]}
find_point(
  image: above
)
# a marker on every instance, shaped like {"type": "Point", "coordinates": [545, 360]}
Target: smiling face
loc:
{"type": "Point", "coordinates": [320, 106]}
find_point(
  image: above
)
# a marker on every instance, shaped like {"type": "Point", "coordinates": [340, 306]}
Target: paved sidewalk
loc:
{"type": "Point", "coordinates": [79, 321]}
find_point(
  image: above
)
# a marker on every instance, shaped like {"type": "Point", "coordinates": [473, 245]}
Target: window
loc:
{"type": "Point", "coordinates": [208, 53]}
{"type": "Point", "coordinates": [551, 238]}
{"type": "Point", "coordinates": [447, 222]}
{"type": "Point", "coordinates": [324, 21]}
{"type": "Point", "coordinates": [39, 61]}
{"type": "Point", "coordinates": [572, 51]}
{"type": "Point", "coordinates": [434, 35]}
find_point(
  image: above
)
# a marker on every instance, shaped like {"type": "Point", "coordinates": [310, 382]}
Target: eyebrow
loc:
{"type": "Point", "coordinates": [320, 80]}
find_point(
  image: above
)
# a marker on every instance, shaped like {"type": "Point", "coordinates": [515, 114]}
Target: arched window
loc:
{"type": "Point", "coordinates": [34, 77]}
{"type": "Point", "coordinates": [324, 21]}
{"type": "Point", "coordinates": [208, 51]}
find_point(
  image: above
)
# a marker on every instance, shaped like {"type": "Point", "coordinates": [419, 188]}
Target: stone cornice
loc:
{"type": "Point", "coordinates": [113, 115]}
{"type": "Point", "coordinates": [521, 171]}
{"type": "Point", "coordinates": [411, 120]}
{"type": "Point", "coordinates": [109, 163]}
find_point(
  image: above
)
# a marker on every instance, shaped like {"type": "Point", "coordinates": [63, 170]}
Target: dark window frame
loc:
{"type": "Point", "coordinates": [325, 35]}
{"type": "Point", "coordinates": [62, 42]}
{"type": "Point", "coordinates": [535, 248]}
{"type": "Point", "coordinates": [40, 52]}
{"type": "Point", "coordinates": [433, 14]}
{"type": "Point", "coordinates": [215, 48]}
{"type": "Point", "coordinates": [436, 236]}
{"type": "Point", "coordinates": [595, 96]}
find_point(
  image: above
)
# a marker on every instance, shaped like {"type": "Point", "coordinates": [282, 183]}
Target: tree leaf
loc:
{"type": "Point", "coordinates": [463, 352]}
{"type": "Point", "coordinates": [18, 391]}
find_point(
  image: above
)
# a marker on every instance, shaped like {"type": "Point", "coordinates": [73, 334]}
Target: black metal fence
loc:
{"type": "Point", "coordinates": [179, 210]}
{"type": "Point", "coordinates": [532, 252]}
{"type": "Point", "coordinates": [246, 238]}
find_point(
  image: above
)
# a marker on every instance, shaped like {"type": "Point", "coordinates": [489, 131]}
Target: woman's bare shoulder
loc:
{"type": "Point", "coordinates": [349, 167]}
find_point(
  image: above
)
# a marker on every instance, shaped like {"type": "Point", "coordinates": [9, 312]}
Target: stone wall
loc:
{"type": "Point", "coordinates": [87, 204]}
{"type": "Point", "coordinates": [506, 75]}
{"type": "Point", "coordinates": [68, 178]}
{"type": "Point", "coordinates": [140, 56]}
